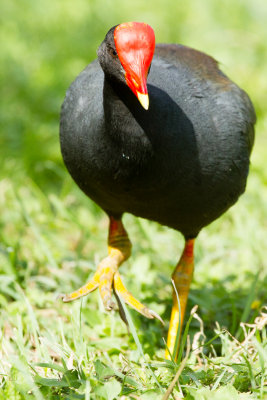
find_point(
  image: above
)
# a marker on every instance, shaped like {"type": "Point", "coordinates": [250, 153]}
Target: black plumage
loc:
{"type": "Point", "coordinates": [183, 162]}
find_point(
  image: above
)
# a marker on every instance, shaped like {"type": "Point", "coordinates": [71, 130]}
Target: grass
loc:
{"type": "Point", "coordinates": [51, 236]}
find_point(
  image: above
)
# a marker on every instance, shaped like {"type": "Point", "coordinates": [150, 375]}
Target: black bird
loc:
{"type": "Point", "coordinates": [180, 158]}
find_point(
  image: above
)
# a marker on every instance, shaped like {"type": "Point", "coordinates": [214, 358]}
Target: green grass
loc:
{"type": "Point", "coordinates": [51, 236]}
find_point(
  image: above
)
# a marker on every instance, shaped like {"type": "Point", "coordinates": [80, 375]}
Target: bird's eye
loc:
{"type": "Point", "coordinates": [113, 52]}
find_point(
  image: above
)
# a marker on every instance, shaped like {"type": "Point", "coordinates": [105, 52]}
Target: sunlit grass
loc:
{"type": "Point", "coordinates": [42, 236]}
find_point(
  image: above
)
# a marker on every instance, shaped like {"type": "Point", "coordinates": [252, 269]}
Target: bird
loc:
{"type": "Point", "coordinates": [160, 132]}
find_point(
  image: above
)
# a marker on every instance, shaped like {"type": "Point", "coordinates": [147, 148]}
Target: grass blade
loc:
{"type": "Point", "coordinates": [137, 341]}
{"type": "Point", "coordinates": [250, 299]}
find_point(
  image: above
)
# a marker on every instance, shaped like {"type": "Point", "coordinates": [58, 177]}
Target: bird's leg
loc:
{"type": "Point", "coordinates": [182, 277]}
{"type": "Point", "coordinates": [107, 276]}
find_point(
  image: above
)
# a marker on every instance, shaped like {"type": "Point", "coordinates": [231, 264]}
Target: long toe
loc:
{"type": "Point", "coordinates": [82, 291]}
{"type": "Point", "coordinates": [129, 299]}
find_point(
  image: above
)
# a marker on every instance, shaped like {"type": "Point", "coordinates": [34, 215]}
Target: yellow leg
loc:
{"type": "Point", "coordinates": [107, 276]}
{"type": "Point", "coordinates": [182, 277]}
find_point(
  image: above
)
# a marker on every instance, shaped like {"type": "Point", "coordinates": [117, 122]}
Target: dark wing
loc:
{"type": "Point", "coordinates": [206, 68]}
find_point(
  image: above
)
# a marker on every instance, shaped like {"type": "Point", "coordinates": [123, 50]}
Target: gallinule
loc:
{"type": "Point", "coordinates": [159, 132]}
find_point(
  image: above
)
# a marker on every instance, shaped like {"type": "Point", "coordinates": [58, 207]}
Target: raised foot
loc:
{"type": "Point", "coordinates": [107, 279]}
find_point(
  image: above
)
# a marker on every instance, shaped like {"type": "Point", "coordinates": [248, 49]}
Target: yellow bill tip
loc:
{"type": "Point", "coordinates": [143, 99]}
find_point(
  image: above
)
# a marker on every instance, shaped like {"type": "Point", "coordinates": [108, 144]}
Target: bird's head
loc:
{"type": "Point", "coordinates": [126, 53]}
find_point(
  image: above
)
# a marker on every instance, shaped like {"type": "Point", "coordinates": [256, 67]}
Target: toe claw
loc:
{"type": "Point", "coordinates": [147, 312]}
{"type": "Point", "coordinates": [110, 305]}
{"type": "Point", "coordinates": [155, 315]}
{"type": "Point", "coordinates": [66, 298]}
{"type": "Point", "coordinates": [60, 296]}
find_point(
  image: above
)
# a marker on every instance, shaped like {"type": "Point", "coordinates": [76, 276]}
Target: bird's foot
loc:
{"type": "Point", "coordinates": [107, 277]}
